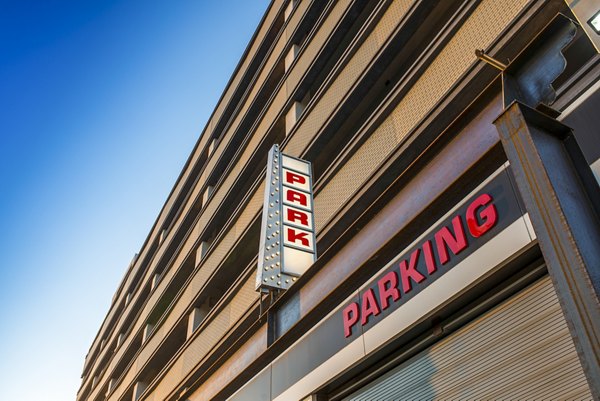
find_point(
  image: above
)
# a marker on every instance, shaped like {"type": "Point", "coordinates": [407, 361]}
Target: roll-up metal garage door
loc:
{"type": "Point", "coordinates": [519, 350]}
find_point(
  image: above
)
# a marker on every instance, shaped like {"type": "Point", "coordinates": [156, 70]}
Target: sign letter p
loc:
{"type": "Point", "coordinates": [292, 178]}
{"type": "Point", "coordinates": [350, 314]}
{"type": "Point", "coordinates": [296, 180]}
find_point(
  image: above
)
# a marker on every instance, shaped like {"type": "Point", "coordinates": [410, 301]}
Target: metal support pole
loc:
{"type": "Point", "coordinates": [563, 201]}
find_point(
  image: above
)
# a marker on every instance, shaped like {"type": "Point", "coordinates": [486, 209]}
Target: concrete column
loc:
{"type": "Point", "coordinates": [147, 331]}
{"type": "Point", "coordinates": [212, 146]}
{"type": "Point", "coordinates": [111, 385]}
{"type": "Point", "coordinates": [196, 317]}
{"type": "Point", "coordinates": [291, 56]}
{"type": "Point", "coordinates": [289, 8]}
{"type": "Point", "coordinates": [201, 251]}
{"type": "Point", "coordinates": [138, 389]}
{"type": "Point", "coordinates": [207, 192]}
{"type": "Point", "coordinates": [155, 281]}
{"type": "Point", "coordinates": [120, 339]}
{"type": "Point", "coordinates": [293, 115]}
{"type": "Point", "coordinates": [134, 259]}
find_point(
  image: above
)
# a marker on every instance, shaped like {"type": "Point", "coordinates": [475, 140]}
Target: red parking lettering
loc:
{"type": "Point", "coordinates": [296, 197]}
{"type": "Point", "coordinates": [488, 215]}
{"type": "Point", "coordinates": [456, 242]}
{"type": "Point", "coordinates": [294, 236]}
{"type": "Point", "coordinates": [388, 288]}
{"type": "Point", "coordinates": [296, 216]}
{"type": "Point", "coordinates": [350, 314]}
{"type": "Point", "coordinates": [408, 271]}
{"type": "Point", "coordinates": [292, 178]}
{"type": "Point", "coordinates": [429, 258]}
{"type": "Point", "coordinates": [369, 306]}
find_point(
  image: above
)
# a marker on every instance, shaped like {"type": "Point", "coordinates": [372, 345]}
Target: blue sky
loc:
{"type": "Point", "coordinates": [101, 103]}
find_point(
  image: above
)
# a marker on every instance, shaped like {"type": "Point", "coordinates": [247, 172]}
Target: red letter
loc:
{"type": "Point", "coordinates": [295, 196]}
{"type": "Point", "coordinates": [297, 215]}
{"type": "Point", "coordinates": [369, 306]}
{"type": "Point", "coordinates": [388, 287]}
{"type": "Point", "coordinates": [293, 177]}
{"type": "Point", "coordinates": [488, 215]}
{"type": "Point", "coordinates": [350, 314]}
{"type": "Point", "coordinates": [429, 258]}
{"type": "Point", "coordinates": [444, 237]}
{"type": "Point", "coordinates": [409, 271]}
{"type": "Point", "coordinates": [293, 236]}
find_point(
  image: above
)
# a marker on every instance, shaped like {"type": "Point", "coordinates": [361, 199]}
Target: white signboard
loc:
{"type": "Point", "coordinates": [287, 241]}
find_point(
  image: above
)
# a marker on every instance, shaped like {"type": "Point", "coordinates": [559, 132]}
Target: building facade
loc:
{"type": "Point", "coordinates": [453, 147]}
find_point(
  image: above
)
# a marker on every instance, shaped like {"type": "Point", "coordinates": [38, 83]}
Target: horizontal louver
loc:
{"type": "Point", "coordinates": [520, 350]}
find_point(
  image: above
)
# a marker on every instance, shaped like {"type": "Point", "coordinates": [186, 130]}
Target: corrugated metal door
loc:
{"type": "Point", "coordinates": [520, 350]}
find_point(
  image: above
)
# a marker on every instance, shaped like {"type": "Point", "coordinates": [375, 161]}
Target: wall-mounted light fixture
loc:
{"type": "Point", "coordinates": [587, 13]}
{"type": "Point", "coordinates": [594, 22]}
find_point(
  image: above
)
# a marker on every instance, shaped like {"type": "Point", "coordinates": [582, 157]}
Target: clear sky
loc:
{"type": "Point", "coordinates": [101, 102]}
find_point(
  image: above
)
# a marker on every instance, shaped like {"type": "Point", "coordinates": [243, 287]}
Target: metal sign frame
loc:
{"type": "Point", "coordinates": [287, 240]}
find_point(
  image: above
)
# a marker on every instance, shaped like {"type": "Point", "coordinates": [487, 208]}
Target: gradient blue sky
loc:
{"type": "Point", "coordinates": [101, 103]}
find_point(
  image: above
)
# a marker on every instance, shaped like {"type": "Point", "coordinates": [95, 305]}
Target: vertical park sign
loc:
{"type": "Point", "coordinates": [287, 240]}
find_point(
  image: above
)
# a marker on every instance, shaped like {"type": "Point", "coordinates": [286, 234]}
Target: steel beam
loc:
{"type": "Point", "coordinates": [562, 200]}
